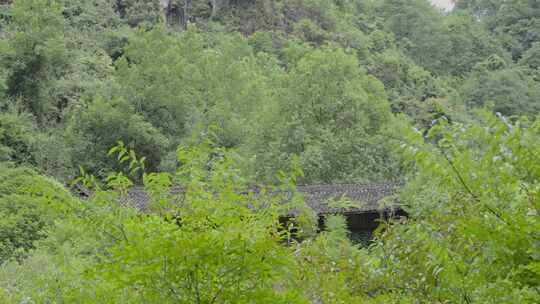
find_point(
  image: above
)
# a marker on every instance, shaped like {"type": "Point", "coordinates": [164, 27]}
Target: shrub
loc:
{"type": "Point", "coordinates": [29, 204]}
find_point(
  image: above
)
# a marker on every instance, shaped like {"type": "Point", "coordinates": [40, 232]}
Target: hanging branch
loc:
{"type": "Point", "coordinates": [469, 190]}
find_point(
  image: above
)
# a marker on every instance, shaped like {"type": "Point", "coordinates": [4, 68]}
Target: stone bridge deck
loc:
{"type": "Point", "coordinates": [366, 197]}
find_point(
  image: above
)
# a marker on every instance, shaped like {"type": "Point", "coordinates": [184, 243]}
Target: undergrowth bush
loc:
{"type": "Point", "coordinates": [29, 204]}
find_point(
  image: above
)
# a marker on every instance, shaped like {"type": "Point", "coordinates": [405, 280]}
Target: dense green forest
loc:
{"type": "Point", "coordinates": [219, 96]}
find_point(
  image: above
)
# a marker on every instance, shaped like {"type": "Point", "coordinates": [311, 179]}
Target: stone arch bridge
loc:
{"type": "Point", "coordinates": [370, 204]}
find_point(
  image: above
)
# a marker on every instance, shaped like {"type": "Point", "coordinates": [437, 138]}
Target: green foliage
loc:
{"type": "Point", "coordinates": [49, 65]}
{"type": "Point", "coordinates": [246, 91]}
{"type": "Point", "coordinates": [21, 226]}
{"type": "Point", "coordinates": [471, 235]}
{"type": "Point", "coordinates": [417, 30]}
{"type": "Point", "coordinates": [474, 207]}
{"type": "Point", "coordinates": [198, 249]}
{"type": "Point", "coordinates": [94, 15]}
{"type": "Point", "coordinates": [332, 268]}
{"type": "Point", "coordinates": [330, 116]}
{"type": "Point", "coordinates": [93, 130]}
{"type": "Point", "coordinates": [139, 12]}
{"type": "Point", "coordinates": [402, 78]}
{"type": "Point", "coordinates": [307, 30]}
{"type": "Point", "coordinates": [511, 91]}
{"type": "Point", "coordinates": [267, 92]}
{"type": "Point", "coordinates": [29, 205]}
{"type": "Point", "coordinates": [16, 139]}
{"type": "Point", "coordinates": [187, 88]}
{"type": "Point", "coordinates": [36, 53]}
{"type": "Point", "coordinates": [515, 23]}
{"type": "Point", "coordinates": [469, 44]}
{"type": "Point", "coordinates": [531, 57]}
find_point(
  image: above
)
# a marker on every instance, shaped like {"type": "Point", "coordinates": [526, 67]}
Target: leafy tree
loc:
{"type": "Point", "coordinates": [16, 138]}
{"type": "Point", "coordinates": [510, 90]}
{"type": "Point", "coordinates": [402, 77]}
{"type": "Point", "coordinates": [330, 115]}
{"type": "Point", "coordinates": [36, 54]}
{"type": "Point", "coordinates": [56, 236]}
{"type": "Point", "coordinates": [205, 254]}
{"type": "Point", "coordinates": [531, 57]}
{"type": "Point", "coordinates": [418, 30]}
{"type": "Point", "coordinates": [516, 23]}
{"type": "Point", "coordinates": [469, 42]}
{"type": "Point", "coordinates": [334, 270]}
{"type": "Point", "coordinates": [186, 90]}
{"type": "Point", "coordinates": [95, 16]}
{"type": "Point", "coordinates": [29, 205]}
{"type": "Point", "coordinates": [153, 84]}
{"type": "Point", "coordinates": [92, 130]}
{"type": "Point", "coordinates": [473, 208]}
{"type": "Point", "coordinates": [46, 72]}
{"type": "Point", "coordinates": [309, 31]}
{"type": "Point", "coordinates": [139, 12]}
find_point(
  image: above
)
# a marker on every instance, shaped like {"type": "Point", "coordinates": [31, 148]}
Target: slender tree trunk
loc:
{"type": "Point", "coordinates": [184, 18]}
{"type": "Point", "coordinates": [165, 6]}
{"type": "Point", "coordinates": [214, 8]}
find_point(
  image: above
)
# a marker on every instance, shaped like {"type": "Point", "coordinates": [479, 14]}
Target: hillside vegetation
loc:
{"type": "Point", "coordinates": [219, 96]}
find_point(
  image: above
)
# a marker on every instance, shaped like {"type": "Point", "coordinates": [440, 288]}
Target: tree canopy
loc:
{"type": "Point", "coordinates": [222, 97]}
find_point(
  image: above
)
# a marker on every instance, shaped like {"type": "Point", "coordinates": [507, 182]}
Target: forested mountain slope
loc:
{"type": "Point", "coordinates": [218, 96]}
{"type": "Point", "coordinates": [272, 79]}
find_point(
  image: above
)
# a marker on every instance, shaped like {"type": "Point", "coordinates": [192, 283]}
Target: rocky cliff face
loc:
{"type": "Point", "coordinates": [447, 5]}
